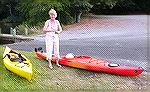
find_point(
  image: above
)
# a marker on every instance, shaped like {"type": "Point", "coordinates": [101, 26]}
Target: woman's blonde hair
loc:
{"type": "Point", "coordinates": [52, 11]}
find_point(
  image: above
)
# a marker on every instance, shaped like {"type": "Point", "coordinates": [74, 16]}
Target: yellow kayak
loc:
{"type": "Point", "coordinates": [17, 63]}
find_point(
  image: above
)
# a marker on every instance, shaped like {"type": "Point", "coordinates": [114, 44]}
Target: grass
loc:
{"type": "Point", "coordinates": [67, 79]}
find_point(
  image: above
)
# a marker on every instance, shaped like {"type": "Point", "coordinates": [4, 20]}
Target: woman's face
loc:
{"type": "Point", "coordinates": [52, 16]}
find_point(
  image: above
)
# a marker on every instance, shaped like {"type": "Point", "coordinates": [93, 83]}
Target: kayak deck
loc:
{"type": "Point", "coordinates": [92, 64]}
{"type": "Point", "coordinates": [17, 63]}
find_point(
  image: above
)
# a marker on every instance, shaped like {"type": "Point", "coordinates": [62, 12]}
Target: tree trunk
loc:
{"type": "Point", "coordinates": [10, 11]}
{"type": "Point", "coordinates": [78, 15]}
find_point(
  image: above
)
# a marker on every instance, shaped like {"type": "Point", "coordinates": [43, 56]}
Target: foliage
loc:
{"type": "Point", "coordinates": [126, 6]}
{"type": "Point", "coordinates": [36, 11]}
{"type": "Point", "coordinates": [109, 3]}
{"type": "Point", "coordinates": [65, 17]}
{"type": "Point", "coordinates": [131, 6]}
{"type": "Point", "coordinates": [142, 5]}
{"type": "Point", "coordinates": [7, 8]}
{"type": "Point", "coordinates": [13, 19]}
{"type": "Point", "coordinates": [26, 30]}
{"type": "Point", "coordinates": [120, 6]}
{"type": "Point", "coordinates": [33, 11]}
{"type": "Point", "coordinates": [103, 6]}
{"type": "Point", "coordinates": [81, 6]}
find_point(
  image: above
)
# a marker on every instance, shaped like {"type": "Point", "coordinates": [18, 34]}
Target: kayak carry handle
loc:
{"type": "Point", "coordinates": [113, 65]}
{"type": "Point", "coordinates": [38, 49]}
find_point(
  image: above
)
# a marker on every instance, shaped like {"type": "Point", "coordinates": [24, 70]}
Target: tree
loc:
{"type": "Point", "coordinates": [7, 8]}
{"type": "Point", "coordinates": [103, 6]}
{"type": "Point", "coordinates": [110, 3]}
{"type": "Point", "coordinates": [120, 6]}
{"type": "Point", "coordinates": [142, 5]}
{"type": "Point", "coordinates": [36, 11]}
{"type": "Point", "coordinates": [79, 7]}
{"type": "Point", "coordinates": [124, 7]}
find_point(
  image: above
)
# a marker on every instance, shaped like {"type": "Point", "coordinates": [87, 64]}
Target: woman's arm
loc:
{"type": "Point", "coordinates": [59, 28]}
{"type": "Point", "coordinates": [45, 28]}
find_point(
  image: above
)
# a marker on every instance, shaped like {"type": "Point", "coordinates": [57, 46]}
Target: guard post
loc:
{"type": "Point", "coordinates": [13, 32]}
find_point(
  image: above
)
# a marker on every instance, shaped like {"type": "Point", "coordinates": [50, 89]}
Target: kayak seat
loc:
{"type": "Point", "coordinates": [16, 58]}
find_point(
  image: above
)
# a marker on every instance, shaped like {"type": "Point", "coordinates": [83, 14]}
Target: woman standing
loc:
{"type": "Point", "coordinates": [52, 28]}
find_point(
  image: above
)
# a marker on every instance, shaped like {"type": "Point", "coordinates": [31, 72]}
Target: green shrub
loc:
{"type": "Point", "coordinates": [65, 17]}
{"type": "Point", "coordinates": [26, 30]}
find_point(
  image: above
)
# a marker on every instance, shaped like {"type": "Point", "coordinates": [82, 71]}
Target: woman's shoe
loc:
{"type": "Point", "coordinates": [58, 65]}
{"type": "Point", "coordinates": [50, 66]}
{"type": "Point", "coordinates": [57, 60]}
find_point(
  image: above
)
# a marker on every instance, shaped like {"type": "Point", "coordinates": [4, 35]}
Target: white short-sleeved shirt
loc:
{"type": "Point", "coordinates": [49, 26]}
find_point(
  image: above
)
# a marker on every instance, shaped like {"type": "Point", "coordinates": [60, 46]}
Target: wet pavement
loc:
{"type": "Point", "coordinates": [120, 39]}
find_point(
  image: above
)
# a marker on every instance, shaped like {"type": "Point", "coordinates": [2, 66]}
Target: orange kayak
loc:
{"type": "Point", "coordinates": [92, 64]}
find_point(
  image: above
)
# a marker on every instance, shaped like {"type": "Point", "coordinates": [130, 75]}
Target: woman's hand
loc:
{"type": "Point", "coordinates": [57, 32]}
{"type": "Point", "coordinates": [48, 30]}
